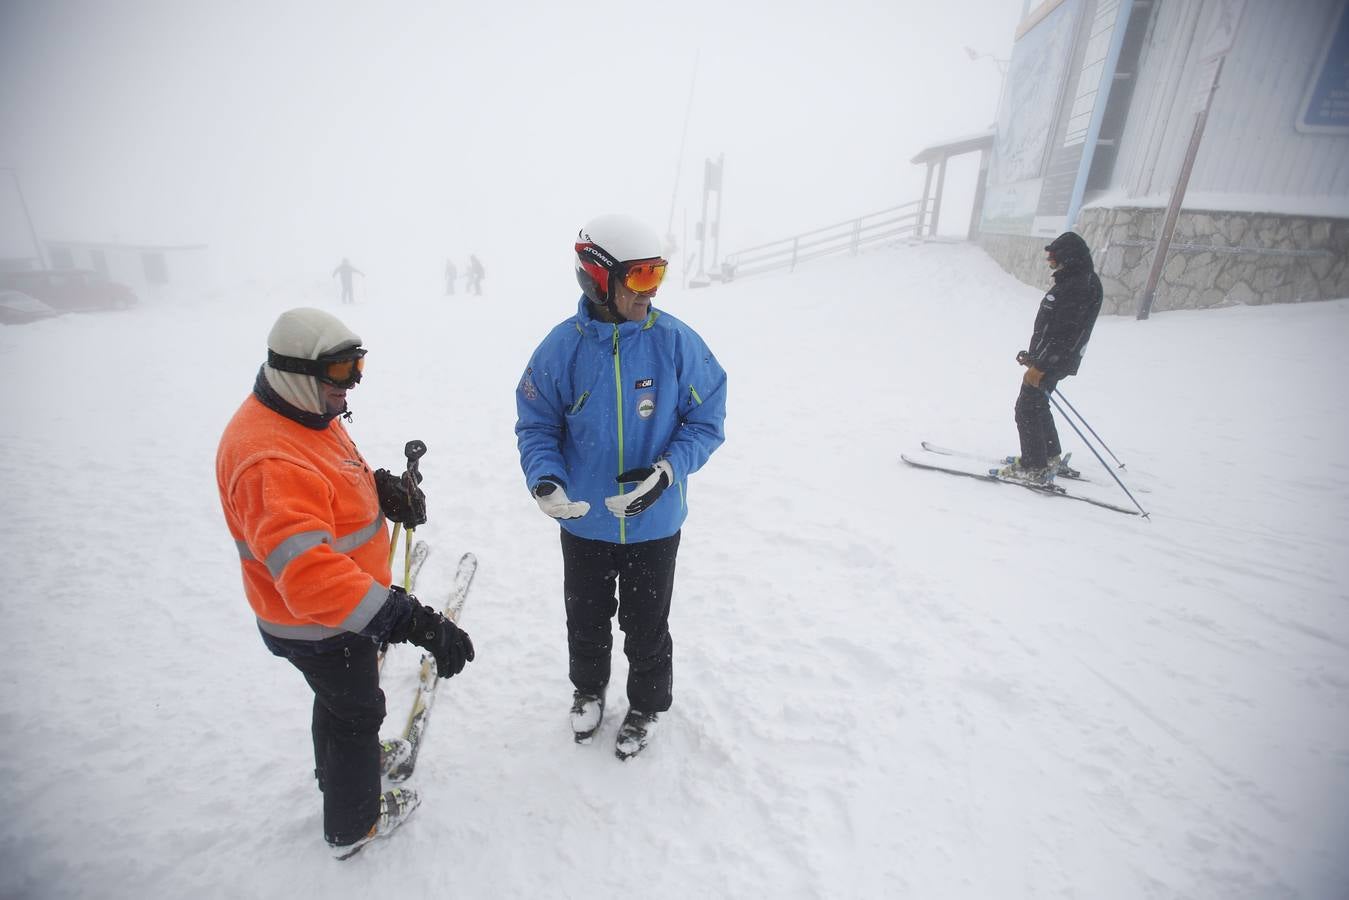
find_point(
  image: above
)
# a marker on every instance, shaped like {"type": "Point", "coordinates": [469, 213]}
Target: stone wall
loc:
{"type": "Point", "coordinates": [1215, 258]}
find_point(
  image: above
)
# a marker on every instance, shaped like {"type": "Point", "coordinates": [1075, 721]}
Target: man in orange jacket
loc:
{"type": "Point", "coordinates": [309, 519]}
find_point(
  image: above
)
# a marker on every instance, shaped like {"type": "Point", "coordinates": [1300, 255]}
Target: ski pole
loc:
{"type": "Point", "coordinates": [1097, 455]}
{"type": "Point", "coordinates": [1089, 428]}
{"type": "Point", "coordinates": [414, 451]}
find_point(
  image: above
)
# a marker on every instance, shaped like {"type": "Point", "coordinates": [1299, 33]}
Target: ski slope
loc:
{"type": "Point", "coordinates": [889, 682]}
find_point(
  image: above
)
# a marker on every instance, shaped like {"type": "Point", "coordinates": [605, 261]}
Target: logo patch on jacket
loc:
{"type": "Point", "coordinates": [643, 383]}
{"type": "Point", "coordinates": [527, 386]}
{"type": "Point", "coordinates": [646, 406]}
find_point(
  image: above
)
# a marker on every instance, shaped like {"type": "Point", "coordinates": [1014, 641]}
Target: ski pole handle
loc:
{"type": "Point", "coordinates": [414, 451]}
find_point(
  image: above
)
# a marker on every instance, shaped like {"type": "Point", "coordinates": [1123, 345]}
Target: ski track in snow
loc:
{"type": "Point", "coordinates": [889, 682]}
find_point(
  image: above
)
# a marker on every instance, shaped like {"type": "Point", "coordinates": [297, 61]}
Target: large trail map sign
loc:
{"type": "Point", "coordinates": [1027, 119]}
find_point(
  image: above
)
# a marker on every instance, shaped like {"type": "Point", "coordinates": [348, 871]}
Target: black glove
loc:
{"type": "Point", "coordinates": [400, 499]}
{"type": "Point", "coordinates": [652, 482]}
{"type": "Point", "coordinates": [437, 635]}
{"type": "Point", "coordinates": [1024, 358]}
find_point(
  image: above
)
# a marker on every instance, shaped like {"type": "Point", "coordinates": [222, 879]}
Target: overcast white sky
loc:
{"type": "Point", "coordinates": [287, 135]}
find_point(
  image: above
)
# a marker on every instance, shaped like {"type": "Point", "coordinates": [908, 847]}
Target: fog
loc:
{"type": "Point", "coordinates": [286, 136]}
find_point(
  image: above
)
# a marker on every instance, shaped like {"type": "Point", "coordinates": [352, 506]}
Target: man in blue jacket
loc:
{"type": "Point", "coordinates": [619, 405]}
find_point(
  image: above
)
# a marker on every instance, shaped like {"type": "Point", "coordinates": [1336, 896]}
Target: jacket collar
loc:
{"type": "Point", "coordinates": [588, 324]}
{"type": "Point", "coordinates": [276, 403]}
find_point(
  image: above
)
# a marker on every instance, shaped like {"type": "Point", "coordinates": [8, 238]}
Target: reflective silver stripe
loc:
{"type": "Point", "coordinates": [357, 619]}
{"type": "Point", "coordinates": [311, 632]}
{"type": "Point", "coordinates": [358, 538]}
{"type": "Point", "coordinates": [292, 547]}
{"type": "Point", "coordinates": [342, 545]}
{"type": "Point", "coordinates": [370, 604]}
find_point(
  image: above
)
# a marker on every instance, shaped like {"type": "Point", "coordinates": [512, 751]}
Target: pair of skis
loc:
{"type": "Point", "coordinates": [991, 474]}
{"type": "Point", "coordinates": [427, 678]}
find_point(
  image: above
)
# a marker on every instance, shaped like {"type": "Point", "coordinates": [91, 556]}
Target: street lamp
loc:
{"type": "Point", "coordinates": [1002, 65]}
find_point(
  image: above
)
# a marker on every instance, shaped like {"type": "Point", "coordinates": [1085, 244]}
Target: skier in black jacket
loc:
{"type": "Point", "coordinates": [1062, 328]}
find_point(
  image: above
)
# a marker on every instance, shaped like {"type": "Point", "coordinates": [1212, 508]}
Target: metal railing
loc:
{"type": "Point", "coordinates": [850, 237]}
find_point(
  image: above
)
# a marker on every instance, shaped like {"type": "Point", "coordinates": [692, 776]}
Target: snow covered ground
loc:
{"type": "Point", "coordinates": [889, 682]}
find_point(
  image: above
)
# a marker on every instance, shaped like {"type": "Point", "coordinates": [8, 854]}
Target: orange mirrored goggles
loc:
{"type": "Point", "coordinates": [644, 276]}
{"type": "Point", "coordinates": [342, 369]}
{"type": "Point", "coordinates": [342, 372]}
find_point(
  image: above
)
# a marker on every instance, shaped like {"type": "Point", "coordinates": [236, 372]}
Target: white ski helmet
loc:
{"type": "Point", "coordinates": [606, 248]}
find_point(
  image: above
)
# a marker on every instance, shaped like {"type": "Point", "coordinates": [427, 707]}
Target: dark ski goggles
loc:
{"type": "Point", "coordinates": [341, 369]}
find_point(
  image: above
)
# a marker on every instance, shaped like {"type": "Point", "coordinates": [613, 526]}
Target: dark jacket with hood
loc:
{"type": "Point", "coordinates": [1068, 311]}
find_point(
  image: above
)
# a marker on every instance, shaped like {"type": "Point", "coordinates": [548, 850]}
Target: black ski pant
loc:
{"type": "Point", "coordinates": [1035, 424]}
{"type": "Point", "coordinates": [644, 576]}
{"type": "Point", "coordinates": [348, 710]}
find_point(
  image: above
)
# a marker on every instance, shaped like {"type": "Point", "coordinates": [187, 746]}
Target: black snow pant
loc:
{"type": "Point", "coordinates": [1035, 425]}
{"type": "Point", "coordinates": [644, 574]}
{"type": "Point", "coordinates": [348, 710]}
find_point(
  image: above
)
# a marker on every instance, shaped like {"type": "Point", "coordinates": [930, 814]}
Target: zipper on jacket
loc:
{"type": "Point", "coordinates": [618, 399]}
{"type": "Point", "coordinates": [580, 402]}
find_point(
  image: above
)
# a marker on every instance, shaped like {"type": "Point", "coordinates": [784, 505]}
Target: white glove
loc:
{"type": "Point", "coordinates": [652, 483]}
{"type": "Point", "coordinates": [552, 499]}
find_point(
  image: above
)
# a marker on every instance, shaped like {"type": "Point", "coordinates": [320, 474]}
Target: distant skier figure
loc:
{"type": "Point", "coordinates": [451, 275]}
{"type": "Point", "coordinates": [1062, 328]}
{"type": "Point", "coordinates": [346, 270]}
{"type": "Point", "coordinates": [474, 276]}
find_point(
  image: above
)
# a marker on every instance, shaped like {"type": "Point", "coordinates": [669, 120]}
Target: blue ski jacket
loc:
{"type": "Point", "coordinates": [600, 398]}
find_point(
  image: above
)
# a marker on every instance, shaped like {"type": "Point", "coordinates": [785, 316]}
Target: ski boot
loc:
{"type": "Point", "coordinates": [394, 808]}
{"type": "Point", "coordinates": [633, 733]}
{"type": "Point", "coordinates": [587, 711]}
{"type": "Point", "coordinates": [1014, 471]}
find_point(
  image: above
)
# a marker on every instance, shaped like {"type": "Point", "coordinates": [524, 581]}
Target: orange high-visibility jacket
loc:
{"type": "Point", "coordinates": [302, 508]}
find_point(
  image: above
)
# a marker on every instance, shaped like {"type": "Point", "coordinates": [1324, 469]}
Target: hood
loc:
{"type": "Point", "coordinates": [1070, 250]}
{"type": "Point", "coordinates": [305, 333]}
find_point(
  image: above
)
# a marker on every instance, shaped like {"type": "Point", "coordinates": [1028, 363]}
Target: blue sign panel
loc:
{"type": "Point", "coordinates": [1326, 107]}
